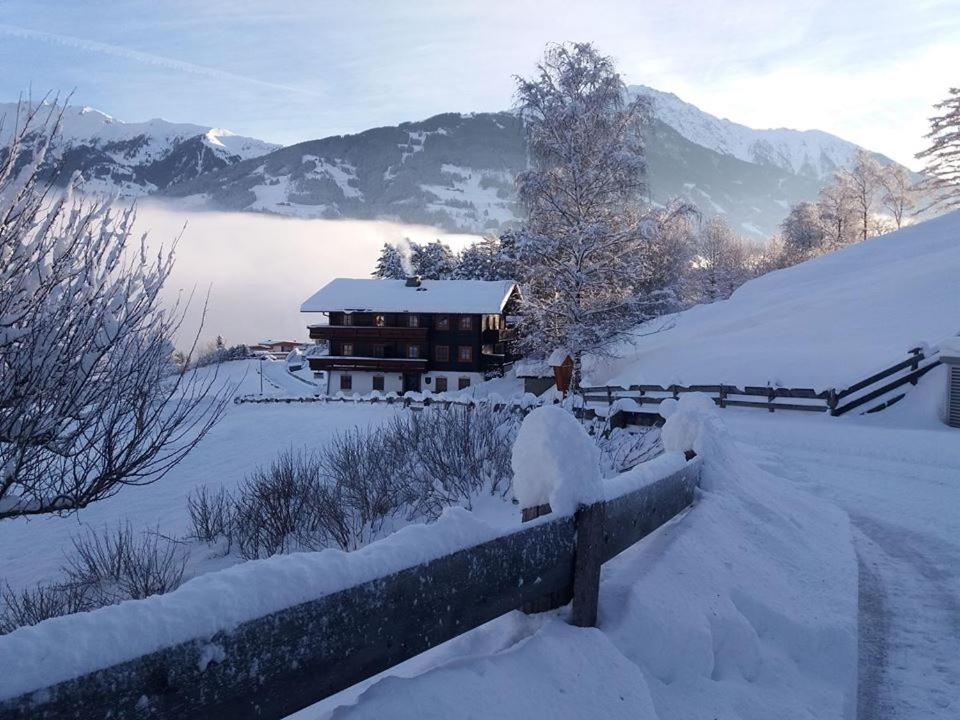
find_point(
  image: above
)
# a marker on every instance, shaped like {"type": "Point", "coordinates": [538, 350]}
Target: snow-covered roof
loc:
{"type": "Point", "coordinates": [431, 296]}
{"type": "Point", "coordinates": [558, 357]}
{"type": "Point", "coordinates": [532, 368]}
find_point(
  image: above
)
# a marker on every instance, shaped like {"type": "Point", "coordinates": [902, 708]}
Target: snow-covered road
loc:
{"type": "Point", "coordinates": [901, 488]}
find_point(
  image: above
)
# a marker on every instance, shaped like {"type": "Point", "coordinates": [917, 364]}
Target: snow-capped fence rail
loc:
{"type": "Point", "coordinates": [95, 665]}
{"type": "Point", "coordinates": [873, 388]}
{"type": "Point", "coordinates": [878, 386]}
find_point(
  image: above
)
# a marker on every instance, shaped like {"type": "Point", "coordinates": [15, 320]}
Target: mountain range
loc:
{"type": "Point", "coordinates": [454, 171]}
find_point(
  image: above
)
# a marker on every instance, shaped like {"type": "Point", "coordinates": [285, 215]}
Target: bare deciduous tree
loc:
{"type": "Point", "coordinates": [89, 398]}
{"type": "Point", "coordinates": [863, 181]}
{"type": "Point", "coordinates": [586, 226]}
{"type": "Point", "coordinates": [897, 196]}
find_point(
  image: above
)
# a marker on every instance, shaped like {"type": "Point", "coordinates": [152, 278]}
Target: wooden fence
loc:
{"type": "Point", "coordinates": [277, 664]}
{"type": "Point", "coordinates": [836, 402]}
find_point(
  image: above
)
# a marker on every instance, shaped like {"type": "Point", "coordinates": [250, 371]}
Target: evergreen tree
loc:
{"type": "Point", "coordinates": [390, 263]}
{"type": "Point", "coordinates": [482, 261]}
{"type": "Point", "coordinates": [434, 261]}
{"type": "Point", "coordinates": [943, 156]}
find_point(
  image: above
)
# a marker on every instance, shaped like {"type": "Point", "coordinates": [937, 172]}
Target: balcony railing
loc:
{"type": "Point", "coordinates": [365, 332]}
{"type": "Point", "coordinates": [345, 362]}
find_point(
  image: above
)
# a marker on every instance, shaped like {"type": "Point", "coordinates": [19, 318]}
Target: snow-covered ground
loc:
{"type": "Point", "coordinates": [824, 323]}
{"type": "Point", "coordinates": [897, 474]}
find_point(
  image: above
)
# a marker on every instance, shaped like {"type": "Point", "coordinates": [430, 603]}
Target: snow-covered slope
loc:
{"type": "Point", "coordinates": [813, 153]}
{"type": "Point", "coordinates": [139, 157]}
{"type": "Point", "coordinates": [823, 323]}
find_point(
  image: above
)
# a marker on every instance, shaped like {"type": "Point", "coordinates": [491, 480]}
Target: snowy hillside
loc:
{"type": "Point", "coordinates": [137, 158]}
{"type": "Point", "coordinates": [813, 153]}
{"type": "Point", "coordinates": [822, 324]}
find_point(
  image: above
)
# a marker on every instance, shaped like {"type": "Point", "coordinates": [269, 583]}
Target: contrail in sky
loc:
{"type": "Point", "coordinates": [142, 57]}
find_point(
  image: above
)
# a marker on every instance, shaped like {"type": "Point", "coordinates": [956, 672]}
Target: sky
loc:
{"type": "Point", "coordinates": [291, 70]}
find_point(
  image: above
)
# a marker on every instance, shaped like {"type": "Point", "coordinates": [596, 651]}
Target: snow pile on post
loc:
{"type": "Point", "coordinates": [693, 423]}
{"type": "Point", "coordinates": [555, 462]}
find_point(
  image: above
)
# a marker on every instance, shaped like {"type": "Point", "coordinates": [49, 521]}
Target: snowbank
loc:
{"type": "Point", "coordinates": [555, 461]}
{"type": "Point", "coordinates": [560, 672]}
{"type": "Point", "coordinates": [62, 648]}
{"type": "Point", "coordinates": [824, 323]}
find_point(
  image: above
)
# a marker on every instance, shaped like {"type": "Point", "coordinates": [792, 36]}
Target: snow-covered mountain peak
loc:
{"type": "Point", "coordinates": [813, 153]}
{"type": "Point", "coordinates": [88, 126]}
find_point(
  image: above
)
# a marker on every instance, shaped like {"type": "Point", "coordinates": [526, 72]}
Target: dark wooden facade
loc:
{"type": "Point", "coordinates": [412, 342]}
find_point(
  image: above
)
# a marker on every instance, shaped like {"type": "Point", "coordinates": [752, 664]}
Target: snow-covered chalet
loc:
{"type": "Point", "coordinates": [410, 335]}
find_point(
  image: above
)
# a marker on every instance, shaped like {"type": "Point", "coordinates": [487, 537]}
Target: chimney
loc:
{"type": "Point", "coordinates": [413, 281]}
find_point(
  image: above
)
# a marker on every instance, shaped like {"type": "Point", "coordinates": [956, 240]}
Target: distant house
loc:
{"type": "Point", "coordinates": [403, 335]}
{"type": "Point", "coordinates": [275, 348]}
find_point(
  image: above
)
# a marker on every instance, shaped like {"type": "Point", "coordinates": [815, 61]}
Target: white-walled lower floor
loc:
{"type": "Point", "coordinates": [363, 382]}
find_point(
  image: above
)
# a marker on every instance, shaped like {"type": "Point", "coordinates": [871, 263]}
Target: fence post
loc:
{"type": "Point", "coordinates": [551, 600]}
{"type": "Point", "coordinates": [587, 562]}
{"type": "Point", "coordinates": [723, 395]}
{"type": "Point", "coordinates": [915, 363]}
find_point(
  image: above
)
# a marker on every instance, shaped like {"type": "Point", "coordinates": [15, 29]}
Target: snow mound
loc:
{"type": "Point", "coordinates": [693, 423]}
{"type": "Point", "coordinates": [560, 672]}
{"type": "Point", "coordinates": [824, 323]}
{"type": "Point", "coordinates": [555, 461]}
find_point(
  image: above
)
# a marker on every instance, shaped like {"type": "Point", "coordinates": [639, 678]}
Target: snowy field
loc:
{"type": "Point", "coordinates": [824, 323]}
{"type": "Point", "coordinates": [32, 550]}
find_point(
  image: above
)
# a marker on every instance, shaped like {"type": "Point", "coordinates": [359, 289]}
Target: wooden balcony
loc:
{"type": "Point", "coordinates": [369, 364]}
{"type": "Point", "coordinates": [367, 332]}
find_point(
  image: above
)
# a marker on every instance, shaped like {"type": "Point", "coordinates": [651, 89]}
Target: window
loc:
{"type": "Point", "coordinates": [347, 349]}
{"type": "Point", "coordinates": [379, 350]}
{"type": "Point", "coordinates": [466, 322]}
{"type": "Point", "coordinates": [463, 383]}
{"type": "Point", "coordinates": [441, 353]}
{"type": "Point", "coordinates": [441, 385]}
{"type": "Point", "coordinates": [413, 321]}
{"type": "Point", "coordinates": [465, 353]}
{"type": "Point", "coordinates": [413, 351]}
{"type": "Point", "coordinates": [379, 320]}
{"type": "Point", "coordinates": [442, 322]}
{"type": "Point", "coordinates": [347, 319]}
{"type": "Point", "coordinates": [378, 382]}
{"type": "Point", "coordinates": [346, 382]}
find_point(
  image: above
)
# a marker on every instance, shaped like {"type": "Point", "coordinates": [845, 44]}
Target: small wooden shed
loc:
{"type": "Point", "coordinates": [561, 360]}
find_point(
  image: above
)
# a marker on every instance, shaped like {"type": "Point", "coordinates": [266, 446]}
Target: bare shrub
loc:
{"type": "Point", "coordinates": [33, 605]}
{"type": "Point", "coordinates": [622, 449]}
{"type": "Point", "coordinates": [211, 514]}
{"type": "Point", "coordinates": [367, 480]}
{"type": "Point", "coordinates": [278, 509]}
{"type": "Point", "coordinates": [459, 453]}
{"type": "Point", "coordinates": [114, 565]}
